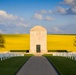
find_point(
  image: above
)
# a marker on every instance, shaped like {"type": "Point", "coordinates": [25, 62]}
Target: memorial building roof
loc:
{"type": "Point", "coordinates": [38, 28]}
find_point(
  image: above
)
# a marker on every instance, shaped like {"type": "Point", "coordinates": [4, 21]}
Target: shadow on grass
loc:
{"type": "Point", "coordinates": [12, 65]}
{"type": "Point", "coordinates": [64, 66]}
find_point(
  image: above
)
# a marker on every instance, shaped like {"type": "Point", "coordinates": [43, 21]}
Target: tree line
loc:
{"type": "Point", "coordinates": [2, 41]}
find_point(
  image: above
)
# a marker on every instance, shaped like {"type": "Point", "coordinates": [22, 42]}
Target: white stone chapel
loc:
{"type": "Point", "coordinates": [38, 40]}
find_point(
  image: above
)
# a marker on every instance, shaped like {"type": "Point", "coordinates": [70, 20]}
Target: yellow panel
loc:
{"type": "Point", "coordinates": [54, 42]}
{"type": "Point", "coordinates": [61, 42]}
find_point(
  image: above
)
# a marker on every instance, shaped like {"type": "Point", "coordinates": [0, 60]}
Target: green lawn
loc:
{"type": "Point", "coordinates": [12, 65]}
{"type": "Point", "coordinates": [64, 66]}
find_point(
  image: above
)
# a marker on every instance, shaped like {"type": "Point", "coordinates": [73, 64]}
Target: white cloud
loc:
{"type": "Point", "coordinates": [43, 12]}
{"type": "Point", "coordinates": [17, 33]}
{"type": "Point", "coordinates": [9, 19]}
{"type": "Point", "coordinates": [60, 10]}
{"type": "Point", "coordinates": [71, 28]}
{"type": "Point", "coordinates": [74, 9]}
{"type": "Point", "coordinates": [55, 30]}
{"type": "Point", "coordinates": [48, 18]}
{"type": "Point", "coordinates": [72, 6]}
{"type": "Point", "coordinates": [50, 12]}
{"type": "Point", "coordinates": [71, 9]}
{"type": "Point", "coordinates": [38, 16]}
{"type": "Point", "coordinates": [4, 15]}
{"type": "Point", "coordinates": [67, 29]}
{"type": "Point", "coordinates": [75, 17]}
{"type": "Point", "coordinates": [69, 2]}
{"type": "Point", "coordinates": [42, 17]}
{"type": "Point", "coordinates": [1, 32]}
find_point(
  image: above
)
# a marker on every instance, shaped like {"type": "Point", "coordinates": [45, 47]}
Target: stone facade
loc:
{"type": "Point", "coordinates": [38, 40]}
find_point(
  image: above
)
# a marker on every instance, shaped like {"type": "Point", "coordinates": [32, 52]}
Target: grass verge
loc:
{"type": "Point", "coordinates": [64, 66]}
{"type": "Point", "coordinates": [28, 55]}
{"type": "Point", "coordinates": [12, 65]}
{"type": "Point", "coordinates": [47, 55]}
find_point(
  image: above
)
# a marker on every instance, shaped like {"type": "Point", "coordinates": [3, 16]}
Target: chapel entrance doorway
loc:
{"type": "Point", "coordinates": [38, 48]}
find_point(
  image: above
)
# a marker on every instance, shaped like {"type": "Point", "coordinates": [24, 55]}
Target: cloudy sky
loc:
{"type": "Point", "coordinates": [57, 16]}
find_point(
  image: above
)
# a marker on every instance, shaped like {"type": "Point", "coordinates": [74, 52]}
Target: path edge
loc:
{"type": "Point", "coordinates": [53, 66]}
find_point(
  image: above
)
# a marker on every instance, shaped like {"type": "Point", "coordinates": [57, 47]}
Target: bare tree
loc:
{"type": "Point", "coordinates": [2, 41]}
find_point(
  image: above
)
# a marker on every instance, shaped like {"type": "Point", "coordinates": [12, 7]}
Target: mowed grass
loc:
{"type": "Point", "coordinates": [12, 65]}
{"type": "Point", "coordinates": [64, 66]}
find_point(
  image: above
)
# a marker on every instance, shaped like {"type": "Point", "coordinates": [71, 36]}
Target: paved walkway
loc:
{"type": "Point", "coordinates": [37, 66]}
